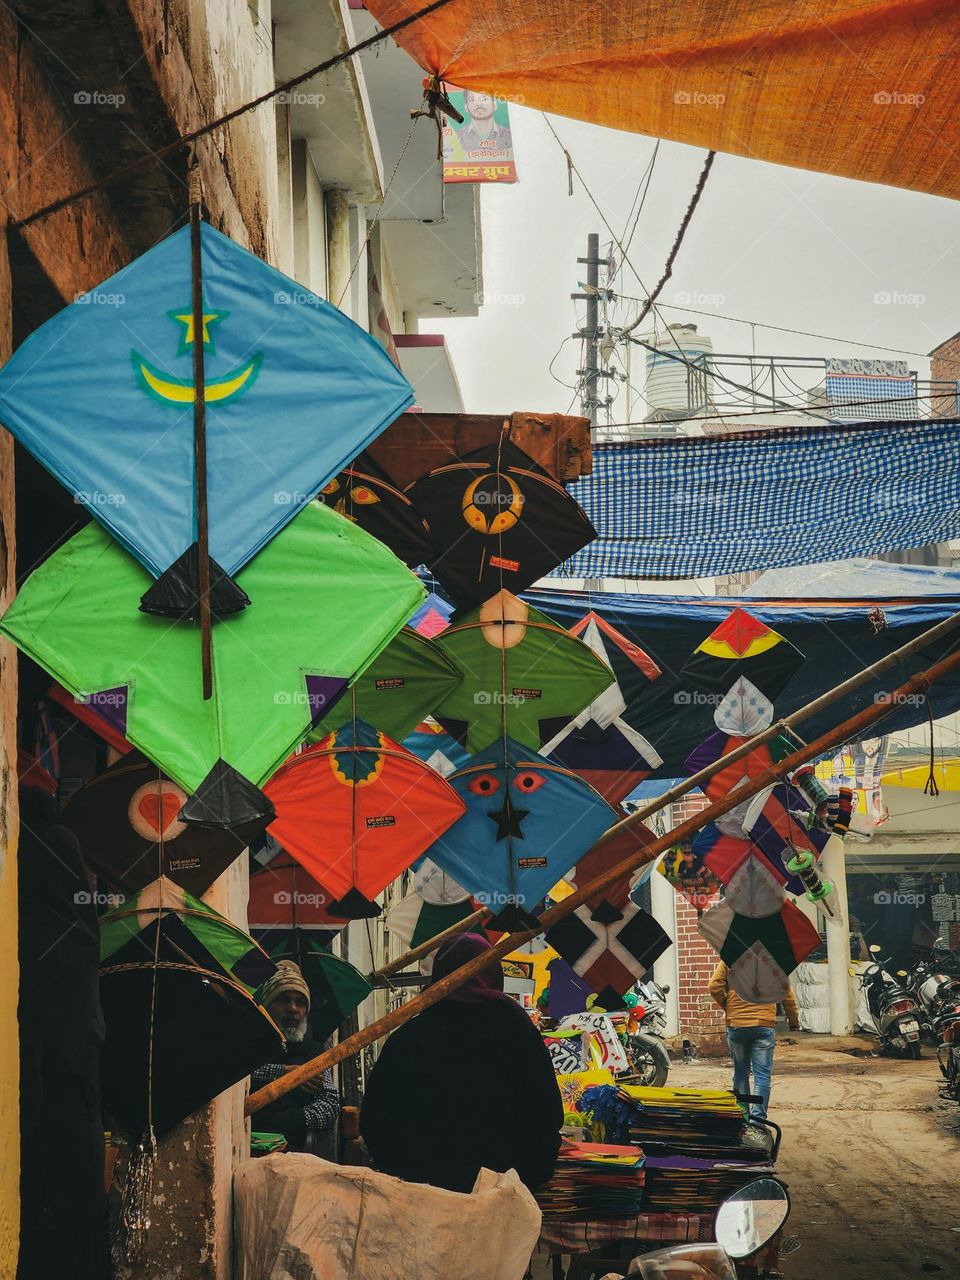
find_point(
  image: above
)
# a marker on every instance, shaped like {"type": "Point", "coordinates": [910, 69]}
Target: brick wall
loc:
{"type": "Point", "coordinates": [945, 367]}
{"type": "Point", "coordinates": [700, 1019]}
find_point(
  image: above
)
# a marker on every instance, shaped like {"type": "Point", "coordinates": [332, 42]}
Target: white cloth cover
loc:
{"type": "Point", "coordinates": [301, 1218]}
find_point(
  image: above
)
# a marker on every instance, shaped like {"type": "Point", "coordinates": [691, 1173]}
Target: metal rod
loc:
{"type": "Point", "coordinates": [849, 728]}
{"type": "Point", "coordinates": [200, 452]}
{"type": "Point", "coordinates": [689, 784]}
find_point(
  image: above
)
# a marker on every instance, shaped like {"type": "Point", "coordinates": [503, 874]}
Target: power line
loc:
{"type": "Point", "coordinates": [678, 241]}
{"type": "Point", "coordinates": [188, 138]}
{"type": "Point", "coordinates": [760, 324]}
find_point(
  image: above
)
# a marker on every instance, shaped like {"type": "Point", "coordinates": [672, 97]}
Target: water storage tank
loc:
{"type": "Point", "coordinates": [672, 389]}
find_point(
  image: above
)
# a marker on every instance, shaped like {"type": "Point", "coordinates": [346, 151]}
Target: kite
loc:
{"type": "Point", "coordinates": [600, 744]}
{"type": "Point", "coordinates": [745, 652]}
{"type": "Point", "coordinates": [364, 493]}
{"type": "Point", "coordinates": [434, 885]}
{"type": "Point", "coordinates": [627, 843]}
{"type": "Point", "coordinates": [410, 677]}
{"type": "Point", "coordinates": [432, 617]}
{"type": "Point", "coordinates": [293, 390]}
{"type": "Point", "coordinates": [497, 521]}
{"type": "Point", "coordinates": [104, 714]}
{"type": "Point", "coordinates": [610, 954]}
{"type": "Point", "coordinates": [527, 821]}
{"type": "Point", "coordinates": [285, 900]}
{"type": "Point", "coordinates": [525, 676]}
{"type": "Point", "coordinates": [760, 953]}
{"type": "Point", "coordinates": [176, 984]}
{"type": "Point", "coordinates": [355, 810]}
{"type": "Point", "coordinates": [683, 867]}
{"type": "Point", "coordinates": [415, 921]}
{"type": "Point", "coordinates": [276, 668]}
{"type": "Point", "coordinates": [776, 822]}
{"type": "Point", "coordinates": [755, 764]}
{"type": "Point", "coordinates": [431, 742]}
{"type": "Point", "coordinates": [126, 820]}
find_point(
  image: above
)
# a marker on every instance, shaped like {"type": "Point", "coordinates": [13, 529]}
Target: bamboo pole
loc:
{"type": "Point", "coordinates": [686, 785]}
{"type": "Point", "coordinates": [852, 727]}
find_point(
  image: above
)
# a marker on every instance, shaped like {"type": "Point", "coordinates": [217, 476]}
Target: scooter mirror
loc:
{"type": "Point", "coordinates": [752, 1216]}
{"type": "Point", "coordinates": [901, 973]}
{"type": "Point", "coordinates": [665, 988]}
{"type": "Point", "coordinates": [875, 949]}
{"type": "Point", "coordinates": [852, 973]}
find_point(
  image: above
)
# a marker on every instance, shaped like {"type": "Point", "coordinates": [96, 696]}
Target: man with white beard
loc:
{"type": "Point", "coordinates": [314, 1106]}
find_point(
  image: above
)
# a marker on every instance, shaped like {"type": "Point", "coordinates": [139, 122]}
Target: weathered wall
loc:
{"type": "Point", "coordinates": [9, 1057]}
{"type": "Point", "coordinates": [945, 367]}
{"type": "Point", "coordinates": [180, 64]}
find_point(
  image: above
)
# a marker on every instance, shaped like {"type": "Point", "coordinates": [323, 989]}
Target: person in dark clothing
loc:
{"type": "Point", "coordinates": [467, 1084]}
{"type": "Point", "coordinates": [63, 1205]}
{"type": "Point", "coordinates": [313, 1108]}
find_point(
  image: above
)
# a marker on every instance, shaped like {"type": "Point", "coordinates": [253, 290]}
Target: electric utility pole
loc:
{"type": "Point", "coordinates": [591, 335]}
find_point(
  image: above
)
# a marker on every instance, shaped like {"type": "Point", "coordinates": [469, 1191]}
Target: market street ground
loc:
{"type": "Point", "coordinates": [871, 1155]}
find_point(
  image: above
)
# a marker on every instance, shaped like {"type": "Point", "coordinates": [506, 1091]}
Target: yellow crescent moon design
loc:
{"type": "Point", "coordinates": [184, 392]}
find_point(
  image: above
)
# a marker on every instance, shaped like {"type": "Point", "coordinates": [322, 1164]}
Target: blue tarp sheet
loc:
{"type": "Point", "coordinates": [705, 506]}
{"type": "Point", "coordinates": [837, 640]}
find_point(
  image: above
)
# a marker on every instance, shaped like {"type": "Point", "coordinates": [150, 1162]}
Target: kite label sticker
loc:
{"type": "Point", "coordinates": [498, 562]}
{"type": "Point", "coordinates": [525, 863]}
{"type": "Point", "coordinates": [396, 682]}
{"type": "Point", "coordinates": [185, 864]}
{"type": "Point", "coordinates": [528, 695]}
{"type": "Point", "coordinates": [387, 820]}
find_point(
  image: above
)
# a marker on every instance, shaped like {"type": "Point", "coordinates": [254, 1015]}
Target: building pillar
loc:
{"type": "Point", "coordinates": [833, 862]}
{"type": "Point", "coordinates": [666, 970]}
{"type": "Point", "coordinates": [9, 967]}
{"type": "Point", "coordinates": [192, 1208]}
{"type": "Point", "coordinates": [338, 248]}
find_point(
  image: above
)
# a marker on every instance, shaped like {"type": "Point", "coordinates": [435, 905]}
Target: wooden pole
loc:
{"type": "Point", "coordinates": [916, 686]}
{"type": "Point", "coordinates": [686, 785]}
{"type": "Point", "coordinates": [200, 450]}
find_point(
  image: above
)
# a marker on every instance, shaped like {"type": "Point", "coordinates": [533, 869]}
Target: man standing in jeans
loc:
{"type": "Point", "coordinates": [751, 1037]}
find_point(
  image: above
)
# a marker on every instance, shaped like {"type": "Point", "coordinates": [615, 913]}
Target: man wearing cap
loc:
{"type": "Point", "coordinates": [314, 1106]}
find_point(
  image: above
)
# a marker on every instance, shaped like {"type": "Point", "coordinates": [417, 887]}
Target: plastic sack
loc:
{"type": "Point", "coordinates": [685, 1262]}
{"type": "Point", "coordinates": [301, 1218]}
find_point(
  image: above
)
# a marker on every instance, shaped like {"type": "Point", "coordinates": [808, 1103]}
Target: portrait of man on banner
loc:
{"type": "Point", "coordinates": [481, 148]}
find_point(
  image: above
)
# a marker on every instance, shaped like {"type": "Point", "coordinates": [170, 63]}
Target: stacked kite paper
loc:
{"type": "Point", "coordinates": [694, 1146]}
{"type": "Point", "coordinates": [594, 1181]}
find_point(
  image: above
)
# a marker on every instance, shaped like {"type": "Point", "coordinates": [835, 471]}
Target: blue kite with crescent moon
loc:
{"type": "Point", "coordinates": [103, 396]}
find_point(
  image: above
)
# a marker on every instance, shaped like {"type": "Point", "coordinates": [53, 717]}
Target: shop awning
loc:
{"type": "Point", "coordinates": [861, 88]}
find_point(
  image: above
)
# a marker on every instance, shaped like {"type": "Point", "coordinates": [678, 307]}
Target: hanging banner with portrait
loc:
{"type": "Point", "coordinates": [480, 149]}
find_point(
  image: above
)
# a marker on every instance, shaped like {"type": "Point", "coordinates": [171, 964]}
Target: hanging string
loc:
{"type": "Point", "coordinates": [283, 87]}
{"type": "Point", "coordinates": [931, 788]}
{"type": "Point", "coordinates": [371, 226]}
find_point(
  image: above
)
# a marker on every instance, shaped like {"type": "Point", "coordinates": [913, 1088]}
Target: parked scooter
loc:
{"type": "Point", "coordinates": [895, 1012]}
{"type": "Point", "coordinates": [936, 984]}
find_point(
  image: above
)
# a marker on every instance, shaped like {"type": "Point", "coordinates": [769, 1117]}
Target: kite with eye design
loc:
{"type": "Point", "coordinates": [497, 521]}
{"type": "Point", "coordinates": [527, 822]}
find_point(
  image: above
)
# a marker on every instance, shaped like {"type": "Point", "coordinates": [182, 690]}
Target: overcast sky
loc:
{"type": "Point", "coordinates": [767, 243]}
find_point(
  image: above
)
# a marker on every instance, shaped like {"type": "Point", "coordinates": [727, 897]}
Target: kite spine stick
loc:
{"type": "Point", "coordinates": [200, 447]}
{"type": "Point", "coordinates": [846, 730]}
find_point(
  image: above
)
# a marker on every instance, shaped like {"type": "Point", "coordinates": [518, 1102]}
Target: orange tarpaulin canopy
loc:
{"type": "Point", "coordinates": [862, 88]}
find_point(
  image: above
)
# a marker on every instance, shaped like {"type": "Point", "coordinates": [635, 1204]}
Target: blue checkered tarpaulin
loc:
{"type": "Point", "coordinates": [693, 507]}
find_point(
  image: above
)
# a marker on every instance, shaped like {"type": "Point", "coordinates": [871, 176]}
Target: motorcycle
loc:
{"type": "Point", "coordinates": [894, 1010]}
{"type": "Point", "coordinates": [628, 1043]}
{"type": "Point", "coordinates": [932, 988]}
{"type": "Point", "coordinates": [948, 1048]}
{"type": "Point", "coordinates": [936, 983]}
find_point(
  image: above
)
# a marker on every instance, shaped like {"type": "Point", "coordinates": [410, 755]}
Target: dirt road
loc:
{"type": "Point", "coordinates": [872, 1158]}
